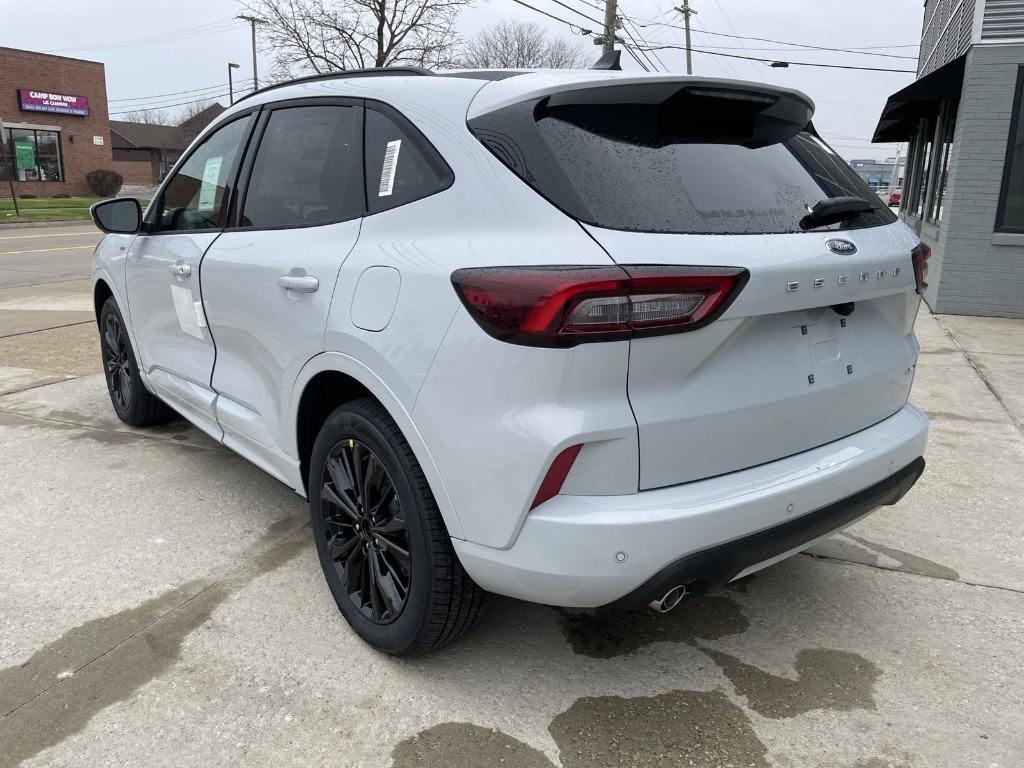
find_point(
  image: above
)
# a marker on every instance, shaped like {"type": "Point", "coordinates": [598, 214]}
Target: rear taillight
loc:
{"type": "Point", "coordinates": [920, 256]}
{"type": "Point", "coordinates": [565, 306]}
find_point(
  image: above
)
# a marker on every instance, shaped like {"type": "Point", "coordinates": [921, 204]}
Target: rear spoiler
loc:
{"type": "Point", "coordinates": [667, 108]}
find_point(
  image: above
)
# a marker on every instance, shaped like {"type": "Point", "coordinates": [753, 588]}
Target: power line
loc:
{"type": "Point", "coordinates": [733, 29]}
{"type": "Point", "coordinates": [172, 102]}
{"type": "Point", "coordinates": [578, 13]}
{"type": "Point", "coordinates": [790, 63]}
{"type": "Point", "coordinates": [169, 106]}
{"type": "Point", "coordinates": [203, 30]}
{"type": "Point", "coordinates": [550, 15]}
{"type": "Point", "coordinates": [174, 93]}
{"type": "Point", "coordinates": [625, 21]}
{"type": "Point", "coordinates": [634, 57]}
{"type": "Point", "coordinates": [866, 51]}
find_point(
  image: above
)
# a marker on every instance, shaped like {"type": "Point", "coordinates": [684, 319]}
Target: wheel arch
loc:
{"type": "Point", "coordinates": [332, 379]}
{"type": "Point", "coordinates": [101, 291]}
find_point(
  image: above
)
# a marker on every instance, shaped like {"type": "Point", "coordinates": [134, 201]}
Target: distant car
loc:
{"type": "Point", "coordinates": [583, 338]}
{"type": "Point", "coordinates": [895, 195]}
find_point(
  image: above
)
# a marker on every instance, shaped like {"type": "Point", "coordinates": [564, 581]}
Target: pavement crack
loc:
{"type": "Point", "coordinates": [984, 379]}
{"type": "Point", "coordinates": [117, 433]}
{"type": "Point", "coordinates": [880, 567]}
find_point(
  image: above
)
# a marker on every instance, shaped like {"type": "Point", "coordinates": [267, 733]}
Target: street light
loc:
{"type": "Point", "coordinates": [231, 86]}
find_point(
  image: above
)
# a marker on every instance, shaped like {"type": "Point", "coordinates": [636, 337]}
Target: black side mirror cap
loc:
{"type": "Point", "coordinates": [120, 216]}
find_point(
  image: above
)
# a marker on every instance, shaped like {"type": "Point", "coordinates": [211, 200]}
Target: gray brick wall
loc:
{"type": "Point", "coordinates": [978, 277]}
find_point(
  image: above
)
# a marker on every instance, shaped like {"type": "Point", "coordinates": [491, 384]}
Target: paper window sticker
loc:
{"type": "Point", "coordinates": [184, 308]}
{"type": "Point", "coordinates": [208, 190]}
{"type": "Point", "coordinates": [387, 172]}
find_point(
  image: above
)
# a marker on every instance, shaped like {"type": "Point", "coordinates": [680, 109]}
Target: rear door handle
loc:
{"type": "Point", "coordinates": [181, 270]}
{"type": "Point", "coordinates": [299, 283]}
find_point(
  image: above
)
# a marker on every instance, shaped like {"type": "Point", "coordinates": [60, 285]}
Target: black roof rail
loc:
{"type": "Point", "coordinates": [371, 72]}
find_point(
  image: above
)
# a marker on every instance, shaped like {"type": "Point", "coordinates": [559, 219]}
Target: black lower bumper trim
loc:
{"type": "Point", "coordinates": [713, 567]}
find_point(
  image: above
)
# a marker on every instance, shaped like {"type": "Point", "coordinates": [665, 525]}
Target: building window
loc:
{"type": "Point", "coordinates": [944, 137]}
{"type": "Point", "coordinates": [1010, 217]}
{"type": "Point", "coordinates": [922, 160]}
{"type": "Point", "coordinates": [31, 155]}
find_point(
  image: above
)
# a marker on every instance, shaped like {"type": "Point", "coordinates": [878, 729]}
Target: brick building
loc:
{"type": "Point", "coordinates": [964, 120]}
{"type": "Point", "coordinates": [55, 128]}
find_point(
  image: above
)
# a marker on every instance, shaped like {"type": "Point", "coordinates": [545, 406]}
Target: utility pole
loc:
{"type": "Point", "coordinates": [608, 42]}
{"type": "Point", "coordinates": [687, 11]}
{"type": "Point", "coordinates": [253, 21]}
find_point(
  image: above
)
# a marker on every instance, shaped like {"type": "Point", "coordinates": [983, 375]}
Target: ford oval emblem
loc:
{"type": "Point", "coordinates": [841, 247]}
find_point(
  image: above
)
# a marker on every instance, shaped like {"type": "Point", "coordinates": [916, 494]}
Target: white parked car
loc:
{"type": "Point", "coordinates": [584, 338]}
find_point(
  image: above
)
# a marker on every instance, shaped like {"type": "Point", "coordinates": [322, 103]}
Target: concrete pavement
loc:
{"type": "Point", "coordinates": [162, 605]}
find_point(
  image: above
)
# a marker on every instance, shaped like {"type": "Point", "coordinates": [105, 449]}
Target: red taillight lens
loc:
{"type": "Point", "coordinates": [920, 256]}
{"type": "Point", "coordinates": [564, 306]}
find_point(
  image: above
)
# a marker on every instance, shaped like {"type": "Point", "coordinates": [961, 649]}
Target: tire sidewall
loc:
{"type": "Point", "coordinates": [125, 414]}
{"type": "Point", "coordinates": [401, 635]}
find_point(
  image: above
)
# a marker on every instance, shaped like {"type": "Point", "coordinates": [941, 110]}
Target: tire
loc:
{"type": "Point", "coordinates": [133, 403]}
{"type": "Point", "coordinates": [402, 606]}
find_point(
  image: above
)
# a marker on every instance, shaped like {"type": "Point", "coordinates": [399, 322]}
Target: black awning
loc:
{"type": "Point", "coordinates": [921, 98]}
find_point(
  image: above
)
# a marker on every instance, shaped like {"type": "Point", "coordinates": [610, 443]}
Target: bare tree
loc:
{"type": "Point", "coordinates": [148, 116]}
{"type": "Point", "coordinates": [330, 35]}
{"type": "Point", "coordinates": [193, 108]}
{"type": "Point", "coordinates": [518, 45]}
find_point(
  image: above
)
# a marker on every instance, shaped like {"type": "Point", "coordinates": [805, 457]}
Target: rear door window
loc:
{"type": "Point", "coordinates": [670, 166]}
{"type": "Point", "coordinates": [401, 165]}
{"type": "Point", "coordinates": [307, 169]}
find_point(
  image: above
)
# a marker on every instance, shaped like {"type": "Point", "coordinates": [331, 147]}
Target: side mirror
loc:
{"type": "Point", "coordinates": [121, 216]}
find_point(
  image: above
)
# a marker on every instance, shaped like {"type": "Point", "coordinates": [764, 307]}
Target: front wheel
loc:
{"type": "Point", "coordinates": [383, 546]}
{"type": "Point", "coordinates": [133, 403]}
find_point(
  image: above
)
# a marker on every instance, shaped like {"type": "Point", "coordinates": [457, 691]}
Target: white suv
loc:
{"type": "Point", "coordinates": [584, 338]}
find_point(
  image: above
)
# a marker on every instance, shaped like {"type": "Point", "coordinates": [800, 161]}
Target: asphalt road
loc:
{"type": "Point", "coordinates": [162, 605]}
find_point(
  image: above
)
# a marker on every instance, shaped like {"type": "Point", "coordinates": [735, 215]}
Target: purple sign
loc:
{"type": "Point", "coordinates": [44, 101]}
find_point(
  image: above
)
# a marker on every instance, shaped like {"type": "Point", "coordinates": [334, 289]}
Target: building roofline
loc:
{"type": "Point", "coordinates": [51, 55]}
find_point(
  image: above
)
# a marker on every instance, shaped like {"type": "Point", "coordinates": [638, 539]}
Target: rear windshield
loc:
{"type": "Point", "coordinates": [652, 168]}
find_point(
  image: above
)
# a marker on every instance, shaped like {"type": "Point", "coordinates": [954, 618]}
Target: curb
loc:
{"type": "Point", "coordinates": [45, 224]}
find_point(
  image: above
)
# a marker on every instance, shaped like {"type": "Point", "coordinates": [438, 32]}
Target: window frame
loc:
{"type": "Point", "coordinates": [419, 141]}
{"type": "Point", "coordinates": [8, 130]}
{"type": "Point", "coordinates": [1016, 129]}
{"type": "Point", "coordinates": [237, 204]}
{"type": "Point", "coordinates": [155, 205]}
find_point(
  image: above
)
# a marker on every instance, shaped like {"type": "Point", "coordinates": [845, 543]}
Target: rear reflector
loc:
{"type": "Point", "coordinates": [920, 256]}
{"type": "Point", "coordinates": [551, 485]}
{"type": "Point", "coordinates": [565, 306]}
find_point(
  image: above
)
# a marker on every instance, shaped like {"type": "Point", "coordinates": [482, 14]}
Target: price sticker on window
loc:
{"type": "Point", "coordinates": [208, 190]}
{"type": "Point", "coordinates": [387, 172]}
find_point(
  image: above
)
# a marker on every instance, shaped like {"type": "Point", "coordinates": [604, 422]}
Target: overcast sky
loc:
{"type": "Point", "coordinates": [848, 101]}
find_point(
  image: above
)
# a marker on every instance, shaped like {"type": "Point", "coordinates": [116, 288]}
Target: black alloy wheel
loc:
{"type": "Point", "coordinates": [116, 361]}
{"type": "Point", "coordinates": [385, 550]}
{"type": "Point", "coordinates": [133, 403]}
{"type": "Point", "coordinates": [366, 535]}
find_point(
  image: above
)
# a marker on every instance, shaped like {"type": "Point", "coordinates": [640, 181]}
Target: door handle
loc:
{"type": "Point", "coordinates": [299, 283]}
{"type": "Point", "coordinates": [181, 270]}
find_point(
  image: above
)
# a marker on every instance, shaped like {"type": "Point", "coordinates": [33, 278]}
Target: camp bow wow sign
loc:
{"type": "Point", "coordinates": [42, 101]}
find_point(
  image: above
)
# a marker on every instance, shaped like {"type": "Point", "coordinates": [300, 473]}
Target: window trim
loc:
{"type": "Point", "coordinates": [252, 150]}
{"type": "Point", "coordinates": [36, 130]}
{"type": "Point", "coordinates": [157, 202]}
{"type": "Point", "coordinates": [418, 140]}
{"type": "Point", "coordinates": [1015, 124]}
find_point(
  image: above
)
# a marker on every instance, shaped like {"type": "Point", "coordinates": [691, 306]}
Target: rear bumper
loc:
{"type": "Point", "coordinates": [570, 549]}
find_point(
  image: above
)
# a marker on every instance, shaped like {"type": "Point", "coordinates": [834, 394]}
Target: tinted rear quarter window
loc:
{"type": "Point", "coordinates": [307, 169]}
{"type": "Point", "coordinates": [670, 166]}
{"type": "Point", "coordinates": [401, 165]}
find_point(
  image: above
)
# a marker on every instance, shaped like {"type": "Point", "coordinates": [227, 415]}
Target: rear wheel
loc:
{"type": "Point", "coordinates": [383, 546]}
{"type": "Point", "coordinates": [132, 402]}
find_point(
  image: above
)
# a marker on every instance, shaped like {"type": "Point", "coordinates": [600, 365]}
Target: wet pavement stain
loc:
{"type": "Point", "coordinates": [909, 562]}
{"type": "Point", "coordinates": [475, 746]}
{"type": "Point", "coordinates": [120, 653]}
{"type": "Point", "coordinates": [679, 728]}
{"type": "Point", "coordinates": [826, 679]}
{"type": "Point", "coordinates": [605, 635]}
{"type": "Point", "coordinates": [672, 729]}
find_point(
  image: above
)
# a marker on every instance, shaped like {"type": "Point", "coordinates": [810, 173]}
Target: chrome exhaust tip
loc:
{"type": "Point", "coordinates": [670, 599]}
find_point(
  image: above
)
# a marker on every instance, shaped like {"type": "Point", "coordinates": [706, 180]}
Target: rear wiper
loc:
{"type": "Point", "coordinates": [832, 210]}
